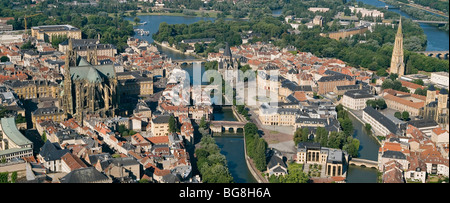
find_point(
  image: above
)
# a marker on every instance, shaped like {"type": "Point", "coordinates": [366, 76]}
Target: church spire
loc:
{"type": "Point", "coordinates": [399, 31]}
{"type": "Point", "coordinates": [397, 64]}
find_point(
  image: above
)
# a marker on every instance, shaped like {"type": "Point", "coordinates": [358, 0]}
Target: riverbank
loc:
{"type": "Point", "coordinates": [359, 118]}
{"type": "Point", "coordinates": [430, 10]}
{"type": "Point", "coordinates": [251, 167]}
{"type": "Point", "coordinates": [178, 51]}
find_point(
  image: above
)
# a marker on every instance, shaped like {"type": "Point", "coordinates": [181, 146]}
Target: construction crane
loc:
{"type": "Point", "coordinates": [25, 18]}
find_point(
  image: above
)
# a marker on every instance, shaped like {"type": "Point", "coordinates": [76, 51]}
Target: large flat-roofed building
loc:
{"type": "Point", "coordinates": [48, 113]}
{"type": "Point", "coordinates": [329, 83]}
{"type": "Point", "coordinates": [380, 123]}
{"type": "Point", "coordinates": [30, 89]}
{"type": "Point", "coordinates": [356, 99]}
{"type": "Point", "coordinates": [440, 79]}
{"type": "Point", "coordinates": [334, 160]}
{"type": "Point", "coordinates": [13, 143]}
{"type": "Point", "coordinates": [46, 32]}
{"type": "Point", "coordinates": [63, 46]}
{"type": "Point", "coordinates": [135, 83]}
{"type": "Point", "coordinates": [83, 46]}
{"type": "Point", "coordinates": [269, 115]}
{"type": "Point", "coordinates": [403, 101]}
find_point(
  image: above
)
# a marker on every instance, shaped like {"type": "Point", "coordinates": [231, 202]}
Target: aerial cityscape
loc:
{"type": "Point", "coordinates": [224, 91]}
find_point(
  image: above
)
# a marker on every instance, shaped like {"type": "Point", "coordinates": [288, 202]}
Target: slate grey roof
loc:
{"type": "Point", "coordinates": [293, 71]}
{"type": "Point", "coordinates": [94, 158]}
{"type": "Point", "coordinates": [84, 175]}
{"type": "Point", "coordinates": [423, 123]}
{"type": "Point", "coordinates": [288, 111]}
{"type": "Point", "coordinates": [335, 78]}
{"type": "Point", "coordinates": [52, 151]}
{"type": "Point", "coordinates": [347, 87]}
{"type": "Point", "coordinates": [275, 160]}
{"type": "Point", "coordinates": [161, 119]}
{"type": "Point", "coordinates": [311, 120]}
{"type": "Point", "coordinates": [80, 42]}
{"type": "Point", "coordinates": [302, 146]}
{"type": "Point", "coordinates": [68, 134]}
{"type": "Point", "coordinates": [227, 51]}
{"type": "Point", "coordinates": [294, 87]}
{"type": "Point", "coordinates": [170, 178]}
{"type": "Point", "coordinates": [382, 119]}
{"type": "Point", "coordinates": [47, 110]}
{"type": "Point", "coordinates": [394, 155]}
{"type": "Point", "coordinates": [358, 94]}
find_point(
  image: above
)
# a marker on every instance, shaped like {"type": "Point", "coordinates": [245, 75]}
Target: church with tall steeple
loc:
{"type": "Point", "coordinates": [89, 88]}
{"type": "Point", "coordinates": [397, 64]}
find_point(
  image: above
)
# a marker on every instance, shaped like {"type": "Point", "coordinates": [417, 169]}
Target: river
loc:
{"type": "Point", "coordinates": [437, 40]}
{"type": "Point", "coordinates": [368, 149]}
{"type": "Point", "coordinates": [231, 145]}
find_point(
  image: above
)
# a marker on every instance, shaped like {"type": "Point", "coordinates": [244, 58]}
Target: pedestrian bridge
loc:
{"type": "Point", "coordinates": [226, 126]}
{"type": "Point", "coordinates": [364, 162]}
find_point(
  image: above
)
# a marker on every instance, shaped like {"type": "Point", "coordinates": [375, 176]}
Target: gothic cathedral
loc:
{"type": "Point", "coordinates": [90, 89]}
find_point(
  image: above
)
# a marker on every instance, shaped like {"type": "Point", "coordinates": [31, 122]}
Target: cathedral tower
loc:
{"type": "Point", "coordinates": [70, 60]}
{"type": "Point", "coordinates": [431, 94]}
{"type": "Point", "coordinates": [397, 64]}
{"type": "Point", "coordinates": [442, 100]}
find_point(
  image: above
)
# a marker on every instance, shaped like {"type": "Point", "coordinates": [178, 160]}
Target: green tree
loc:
{"type": "Point", "coordinates": [418, 81]}
{"type": "Point", "coordinates": [136, 20]}
{"type": "Point", "coordinates": [58, 39]}
{"type": "Point", "coordinates": [381, 104]}
{"type": "Point", "coordinates": [4, 177]}
{"type": "Point", "coordinates": [260, 154]}
{"type": "Point", "coordinates": [122, 128]}
{"type": "Point", "coordinates": [301, 135]}
{"type": "Point", "coordinates": [14, 177]}
{"type": "Point", "coordinates": [321, 136]}
{"type": "Point", "coordinates": [347, 126]}
{"type": "Point", "coordinates": [172, 124]}
{"type": "Point", "coordinates": [250, 129]}
{"type": "Point", "coordinates": [405, 115]}
{"type": "Point", "coordinates": [203, 124]}
{"type": "Point", "coordinates": [398, 115]}
{"type": "Point", "coordinates": [44, 137]}
{"type": "Point", "coordinates": [4, 59]}
{"type": "Point", "coordinates": [199, 48]}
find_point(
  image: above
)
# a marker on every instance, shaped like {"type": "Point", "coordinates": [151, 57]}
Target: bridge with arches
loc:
{"type": "Point", "coordinates": [227, 126]}
{"type": "Point", "coordinates": [364, 162]}
{"type": "Point", "coordinates": [189, 61]}
{"type": "Point", "coordinates": [437, 54]}
{"type": "Point", "coordinates": [431, 22]}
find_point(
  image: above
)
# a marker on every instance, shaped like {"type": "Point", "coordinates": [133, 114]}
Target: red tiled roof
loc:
{"type": "Point", "coordinates": [159, 139]}
{"type": "Point", "coordinates": [72, 161]}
